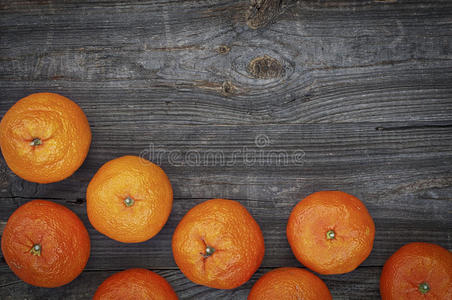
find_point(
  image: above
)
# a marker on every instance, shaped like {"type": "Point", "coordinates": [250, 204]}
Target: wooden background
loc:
{"type": "Point", "coordinates": [259, 101]}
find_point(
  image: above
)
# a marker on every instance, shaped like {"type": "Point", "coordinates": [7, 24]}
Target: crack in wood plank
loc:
{"type": "Point", "coordinates": [412, 127]}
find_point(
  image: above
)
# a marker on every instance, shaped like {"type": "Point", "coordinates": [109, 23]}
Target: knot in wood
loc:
{"type": "Point", "coordinates": [227, 88]}
{"type": "Point", "coordinates": [223, 49]}
{"type": "Point", "coordinates": [262, 12]}
{"type": "Point", "coordinates": [265, 67]}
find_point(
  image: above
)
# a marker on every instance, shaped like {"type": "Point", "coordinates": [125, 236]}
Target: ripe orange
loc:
{"type": "Point", "coordinates": [45, 244]}
{"type": "Point", "coordinates": [417, 271]}
{"type": "Point", "coordinates": [331, 232]}
{"type": "Point", "coordinates": [44, 137]}
{"type": "Point", "coordinates": [218, 244]}
{"type": "Point", "coordinates": [135, 284]}
{"type": "Point", "coordinates": [289, 283]}
{"type": "Point", "coordinates": [129, 199]}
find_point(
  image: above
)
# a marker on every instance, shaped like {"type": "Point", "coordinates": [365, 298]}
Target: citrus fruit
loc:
{"type": "Point", "coordinates": [134, 284]}
{"type": "Point", "coordinates": [44, 137]}
{"type": "Point", "coordinates": [330, 232]}
{"type": "Point", "coordinates": [289, 283]}
{"type": "Point", "coordinates": [218, 244]}
{"type": "Point", "coordinates": [129, 199]}
{"type": "Point", "coordinates": [417, 271]}
{"type": "Point", "coordinates": [45, 244]}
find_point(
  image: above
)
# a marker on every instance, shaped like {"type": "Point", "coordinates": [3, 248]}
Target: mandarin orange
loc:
{"type": "Point", "coordinates": [45, 244]}
{"type": "Point", "coordinates": [218, 244]}
{"type": "Point", "coordinates": [417, 271]}
{"type": "Point", "coordinates": [289, 283]}
{"type": "Point", "coordinates": [44, 137]}
{"type": "Point", "coordinates": [129, 199]}
{"type": "Point", "coordinates": [331, 232]}
{"type": "Point", "coordinates": [135, 284]}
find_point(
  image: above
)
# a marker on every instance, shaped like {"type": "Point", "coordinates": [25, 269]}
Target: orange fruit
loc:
{"type": "Point", "coordinates": [129, 199]}
{"type": "Point", "coordinates": [218, 244]}
{"type": "Point", "coordinates": [44, 137]}
{"type": "Point", "coordinates": [45, 244]}
{"type": "Point", "coordinates": [289, 283]}
{"type": "Point", "coordinates": [133, 284]}
{"type": "Point", "coordinates": [417, 271]}
{"type": "Point", "coordinates": [331, 232]}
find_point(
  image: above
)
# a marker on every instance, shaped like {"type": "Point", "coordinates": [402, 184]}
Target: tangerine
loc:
{"type": "Point", "coordinates": [289, 283]}
{"type": "Point", "coordinates": [44, 137]}
{"type": "Point", "coordinates": [129, 199]}
{"type": "Point", "coordinates": [331, 232]}
{"type": "Point", "coordinates": [45, 244]}
{"type": "Point", "coordinates": [218, 244]}
{"type": "Point", "coordinates": [417, 271]}
{"type": "Point", "coordinates": [135, 284]}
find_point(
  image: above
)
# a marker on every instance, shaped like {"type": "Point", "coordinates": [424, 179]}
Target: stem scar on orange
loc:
{"type": "Point", "coordinates": [417, 271]}
{"type": "Point", "coordinates": [289, 283]}
{"type": "Point", "coordinates": [129, 199]}
{"type": "Point", "coordinates": [331, 232]}
{"type": "Point", "coordinates": [44, 137]}
{"type": "Point", "coordinates": [45, 244]}
{"type": "Point", "coordinates": [135, 284]}
{"type": "Point", "coordinates": [218, 244]}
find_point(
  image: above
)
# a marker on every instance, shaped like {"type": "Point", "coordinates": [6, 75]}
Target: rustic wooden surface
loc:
{"type": "Point", "coordinates": [263, 102]}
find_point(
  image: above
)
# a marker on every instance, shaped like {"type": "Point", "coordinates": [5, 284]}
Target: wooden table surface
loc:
{"type": "Point", "coordinates": [263, 102]}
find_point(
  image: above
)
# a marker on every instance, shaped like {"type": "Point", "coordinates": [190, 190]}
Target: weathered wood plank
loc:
{"type": "Point", "coordinates": [343, 61]}
{"type": "Point", "coordinates": [349, 95]}
{"type": "Point", "coordinates": [360, 284]}
{"type": "Point", "coordinates": [400, 171]}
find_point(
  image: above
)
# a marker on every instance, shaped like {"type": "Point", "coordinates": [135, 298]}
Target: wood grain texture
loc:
{"type": "Point", "coordinates": [344, 61]}
{"type": "Point", "coordinates": [401, 175]}
{"type": "Point", "coordinates": [351, 95]}
{"type": "Point", "coordinates": [362, 284]}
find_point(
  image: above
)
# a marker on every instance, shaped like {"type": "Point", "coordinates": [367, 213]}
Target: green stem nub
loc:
{"type": "Point", "coordinates": [36, 250]}
{"type": "Point", "coordinates": [36, 142]}
{"type": "Point", "coordinates": [424, 288]}
{"type": "Point", "coordinates": [129, 202]}
{"type": "Point", "coordinates": [330, 235]}
{"type": "Point", "coordinates": [209, 251]}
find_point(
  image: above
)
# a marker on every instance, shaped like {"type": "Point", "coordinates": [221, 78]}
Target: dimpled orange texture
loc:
{"type": "Point", "coordinates": [135, 284]}
{"type": "Point", "coordinates": [288, 284]}
{"type": "Point", "coordinates": [44, 137]}
{"type": "Point", "coordinates": [331, 232]}
{"type": "Point", "coordinates": [414, 265]}
{"type": "Point", "coordinates": [142, 183]}
{"type": "Point", "coordinates": [218, 244]}
{"type": "Point", "coordinates": [63, 241]}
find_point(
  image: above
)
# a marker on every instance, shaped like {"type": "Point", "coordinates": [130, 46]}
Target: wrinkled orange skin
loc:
{"type": "Point", "coordinates": [63, 129]}
{"type": "Point", "coordinates": [288, 284]}
{"type": "Point", "coordinates": [143, 181]}
{"type": "Point", "coordinates": [320, 212]}
{"type": "Point", "coordinates": [229, 228]}
{"type": "Point", "coordinates": [63, 237]}
{"type": "Point", "coordinates": [413, 264]}
{"type": "Point", "coordinates": [134, 284]}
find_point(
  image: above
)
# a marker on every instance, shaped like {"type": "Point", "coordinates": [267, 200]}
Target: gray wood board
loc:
{"type": "Point", "coordinates": [159, 61]}
{"type": "Point", "coordinates": [361, 284]}
{"type": "Point", "coordinates": [348, 95]}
